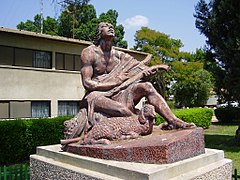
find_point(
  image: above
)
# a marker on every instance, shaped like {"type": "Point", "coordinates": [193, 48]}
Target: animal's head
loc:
{"type": "Point", "coordinates": [147, 113]}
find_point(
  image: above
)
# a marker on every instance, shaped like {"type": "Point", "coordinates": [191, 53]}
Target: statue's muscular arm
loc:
{"type": "Point", "coordinates": [87, 71]}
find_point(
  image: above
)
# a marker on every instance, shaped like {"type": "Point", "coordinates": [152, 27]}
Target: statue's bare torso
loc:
{"type": "Point", "coordinates": [103, 62]}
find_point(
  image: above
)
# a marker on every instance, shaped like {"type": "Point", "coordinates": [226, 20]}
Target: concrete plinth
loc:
{"type": "Point", "coordinates": [51, 163]}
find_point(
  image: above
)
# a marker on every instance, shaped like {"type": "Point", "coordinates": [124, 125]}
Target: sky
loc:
{"type": "Point", "coordinates": [172, 17]}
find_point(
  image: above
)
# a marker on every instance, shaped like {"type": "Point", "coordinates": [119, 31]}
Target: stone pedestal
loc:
{"type": "Point", "coordinates": [166, 155]}
{"type": "Point", "coordinates": [51, 163]}
{"type": "Point", "coordinates": [158, 148]}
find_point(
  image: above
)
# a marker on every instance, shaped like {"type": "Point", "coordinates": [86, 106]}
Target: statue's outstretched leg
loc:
{"type": "Point", "coordinates": [154, 98]}
{"type": "Point", "coordinates": [110, 107]}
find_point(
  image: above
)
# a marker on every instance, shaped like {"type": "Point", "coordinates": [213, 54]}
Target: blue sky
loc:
{"type": "Point", "coordinates": [172, 17]}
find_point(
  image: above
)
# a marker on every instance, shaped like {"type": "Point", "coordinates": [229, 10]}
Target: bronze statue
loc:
{"type": "Point", "coordinates": [115, 82]}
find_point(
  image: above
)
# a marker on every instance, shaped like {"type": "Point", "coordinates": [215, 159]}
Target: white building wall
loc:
{"type": "Point", "coordinates": [18, 83]}
{"type": "Point", "coordinates": [32, 84]}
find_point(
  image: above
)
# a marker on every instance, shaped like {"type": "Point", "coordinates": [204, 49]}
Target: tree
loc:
{"type": "Point", "coordinates": [219, 21]}
{"type": "Point", "coordinates": [164, 50]}
{"type": "Point", "coordinates": [29, 25]}
{"type": "Point", "coordinates": [50, 25]}
{"type": "Point", "coordinates": [73, 9]}
{"type": "Point", "coordinates": [192, 85]}
{"type": "Point", "coordinates": [186, 80]}
{"type": "Point", "coordinates": [158, 44]}
{"type": "Point", "coordinates": [65, 25]}
{"type": "Point", "coordinates": [77, 20]}
{"type": "Point", "coordinates": [83, 17]}
{"type": "Point", "coordinates": [86, 26]}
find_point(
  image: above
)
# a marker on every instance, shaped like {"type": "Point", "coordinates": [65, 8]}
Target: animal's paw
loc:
{"type": "Point", "coordinates": [130, 135]}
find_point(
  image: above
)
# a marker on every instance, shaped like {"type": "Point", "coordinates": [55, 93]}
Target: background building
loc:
{"type": "Point", "coordinates": [39, 74]}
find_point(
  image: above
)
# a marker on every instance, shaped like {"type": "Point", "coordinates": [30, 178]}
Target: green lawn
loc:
{"type": "Point", "coordinates": [223, 137]}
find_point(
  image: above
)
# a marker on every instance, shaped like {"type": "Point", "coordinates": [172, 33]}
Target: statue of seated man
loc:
{"type": "Point", "coordinates": [115, 82]}
{"type": "Point", "coordinates": [103, 70]}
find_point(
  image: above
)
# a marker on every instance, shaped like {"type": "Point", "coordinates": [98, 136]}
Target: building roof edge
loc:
{"type": "Point", "coordinates": [57, 38]}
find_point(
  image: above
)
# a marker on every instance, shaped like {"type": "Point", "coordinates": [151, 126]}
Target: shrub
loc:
{"type": "Point", "coordinates": [227, 114]}
{"type": "Point", "coordinates": [171, 104]}
{"type": "Point", "coordinates": [13, 141]}
{"type": "Point", "coordinates": [201, 117]}
{"type": "Point", "coordinates": [19, 138]}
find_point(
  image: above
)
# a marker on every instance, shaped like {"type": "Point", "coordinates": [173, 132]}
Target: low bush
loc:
{"type": "Point", "coordinates": [19, 138]}
{"type": "Point", "coordinates": [227, 114]}
{"type": "Point", "coordinates": [201, 117]}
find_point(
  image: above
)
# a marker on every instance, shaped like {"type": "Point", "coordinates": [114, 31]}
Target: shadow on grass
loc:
{"type": "Point", "coordinates": [224, 142]}
{"type": "Point", "coordinates": [235, 123]}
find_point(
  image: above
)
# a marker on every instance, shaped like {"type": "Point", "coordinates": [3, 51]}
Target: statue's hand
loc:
{"type": "Point", "coordinates": [162, 67]}
{"type": "Point", "coordinates": [154, 69]}
{"type": "Point", "coordinates": [149, 71]}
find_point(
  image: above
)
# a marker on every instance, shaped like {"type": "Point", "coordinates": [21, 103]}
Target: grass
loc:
{"type": "Point", "coordinates": [222, 137]}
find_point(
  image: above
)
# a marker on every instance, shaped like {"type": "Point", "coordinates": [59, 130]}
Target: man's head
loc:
{"type": "Point", "coordinates": [104, 29]}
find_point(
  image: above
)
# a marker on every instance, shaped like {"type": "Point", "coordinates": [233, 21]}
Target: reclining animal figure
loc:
{"type": "Point", "coordinates": [119, 128]}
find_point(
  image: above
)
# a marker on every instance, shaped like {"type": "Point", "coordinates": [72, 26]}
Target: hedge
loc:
{"type": "Point", "coordinates": [227, 114]}
{"type": "Point", "coordinates": [201, 117]}
{"type": "Point", "coordinates": [19, 138]}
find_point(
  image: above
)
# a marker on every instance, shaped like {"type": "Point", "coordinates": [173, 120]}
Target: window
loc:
{"type": "Point", "coordinates": [69, 62]}
{"type": "Point", "coordinates": [23, 57]}
{"type": "Point", "coordinates": [42, 59]}
{"type": "Point", "coordinates": [77, 63]}
{"type": "Point", "coordinates": [40, 109]}
{"type": "Point", "coordinates": [24, 109]}
{"type": "Point", "coordinates": [20, 109]}
{"type": "Point", "coordinates": [4, 110]}
{"type": "Point", "coordinates": [68, 108]}
{"type": "Point", "coordinates": [15, 109]}
{"type": "Point", "coordinates": [59, 61]}
{"type": "Point", "coordinates": [6, 55]}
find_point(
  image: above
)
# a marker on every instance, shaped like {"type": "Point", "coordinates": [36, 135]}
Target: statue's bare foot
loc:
{"type": "Point", "coordinates": [176, 124]}
{"type": "Point", "coordinates": [101, 141]}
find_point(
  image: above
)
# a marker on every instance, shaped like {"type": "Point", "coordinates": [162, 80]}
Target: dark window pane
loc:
{"type": "Point", "coordinates": [6, 55]}
{"type": "Point", "coordinates": [77, 63]}
{"type": "Point", "coordinates": [23, 57]}
{"type": "Point", "coordinates": [59, 61]}
{"type": "Point", "coordinates": [69, 62]}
